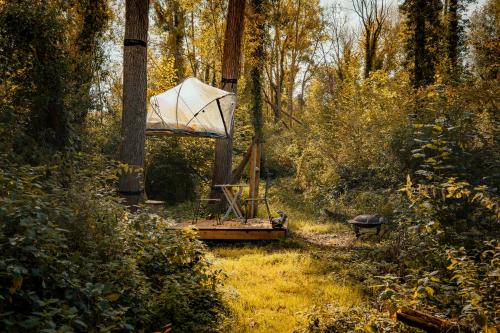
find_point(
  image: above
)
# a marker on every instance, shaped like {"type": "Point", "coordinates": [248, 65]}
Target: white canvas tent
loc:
{"type": "Point", "coordinates": [192, 108]}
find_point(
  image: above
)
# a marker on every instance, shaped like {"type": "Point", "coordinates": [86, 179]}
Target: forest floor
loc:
{"type": "Point", "coordinates": [275, 286]}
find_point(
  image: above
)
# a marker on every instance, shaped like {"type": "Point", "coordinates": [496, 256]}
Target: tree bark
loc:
{"type": "Point", "coordinates": [256, 106]}
{"type": "Point", "coordinates": [368, 54]}
{"type": "Point", "coordinates": [134, 99]}
{"type": "Point", "coordinates": [230, 73]}
{"type": "Point", "coordinates": [420, 49]}
{"type": "Point", "coordinates": [452, 18]}
{"type": "Point", "coordinates": [373, 14]}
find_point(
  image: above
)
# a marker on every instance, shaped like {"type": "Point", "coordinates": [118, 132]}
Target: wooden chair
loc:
{"type": "Point", "coordinates": [264, 199]}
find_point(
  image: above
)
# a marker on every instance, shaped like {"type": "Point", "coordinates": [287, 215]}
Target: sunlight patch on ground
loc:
{"type": "Point", "coordinates": [306, 227]}
{"type": "Point", "coordinates": [270, 291]}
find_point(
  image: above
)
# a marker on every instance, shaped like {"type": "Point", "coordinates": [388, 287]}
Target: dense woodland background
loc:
{"type": "Point", "coordinates": [396, 115]}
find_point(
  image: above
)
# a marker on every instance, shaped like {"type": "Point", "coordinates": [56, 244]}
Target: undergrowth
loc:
{"type": "Point", "coordinates": [73, 259]}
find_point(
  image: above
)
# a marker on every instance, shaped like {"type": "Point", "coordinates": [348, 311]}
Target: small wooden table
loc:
{"type": "Point", "coordinates": [233, 199]}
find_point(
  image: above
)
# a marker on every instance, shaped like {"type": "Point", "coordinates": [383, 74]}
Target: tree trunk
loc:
{"type": "Point", "coordinates": [230, 73]}
{"type": "Point", "coordinates": [368, 53]}
{"type": "Point", "coordinates": [177, 39]}
{"type": "Point", "coordinates": [257, 118]}
{"type": "Point", "coordinates": [453, 36]}
{"type": "Point", "coordinates": [134, 99]}
{"type": "Point", "coordinates": [420, 49]}
{"type": "Point", "coordinates": [291, 84]}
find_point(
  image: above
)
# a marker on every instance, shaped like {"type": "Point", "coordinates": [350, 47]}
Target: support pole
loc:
{"type": "Point", "coordinates": [254, 178]}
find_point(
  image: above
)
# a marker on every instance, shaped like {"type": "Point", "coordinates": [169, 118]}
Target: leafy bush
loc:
{"type": "Point", "coordinates": [447, 254]}
{"type": "Point", "coordinates": [354, 139]}
{"type": "Point", "coordinates": [49, 54]}
{"type": "Point", "coordinates": [73, 259]}
{"type": "Point", "coordinates": [175, 169]}
{"type": "Point", "coordinates": [336, 319]}
{"type": "Point", "coordinates": [442, 257]}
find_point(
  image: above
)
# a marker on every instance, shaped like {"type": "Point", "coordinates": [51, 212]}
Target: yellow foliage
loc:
{"type": "Point", "coordinates": [161, 74]}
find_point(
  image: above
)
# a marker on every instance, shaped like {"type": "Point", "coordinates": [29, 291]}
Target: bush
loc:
{"type": "Point", "coordinates": [72, 259]}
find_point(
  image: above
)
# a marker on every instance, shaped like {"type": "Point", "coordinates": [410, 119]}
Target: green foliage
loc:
{"type": "Point", "coordinates": [72, 259]}
{"type": "Point", "coordinates": [447, 240]}
{"type": "Point", "coordinates": [484, 42]}
{"type": "Point", "coordinates": [177, 168]}
{"type": "Point", "coordinates": [355, 319]}
{"type": "Point", "coordinates": [477, 279]}
{"type": "Point", "coordinates": [354, 141]}
{"type": "Point", "coordinates": [49, 51]}
{"type": "Point", "coordinates": [423, 29]}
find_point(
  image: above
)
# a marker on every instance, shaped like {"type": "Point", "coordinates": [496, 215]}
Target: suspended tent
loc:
{"type": "Point", "coordinates": [192, 108]}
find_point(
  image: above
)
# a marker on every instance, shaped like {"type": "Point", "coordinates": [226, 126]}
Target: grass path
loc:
{"type": "Point", "coordinates": [272, 287]}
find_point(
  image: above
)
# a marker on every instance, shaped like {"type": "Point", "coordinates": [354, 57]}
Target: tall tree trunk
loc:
{"type": "Point", "coordinates": [177, 39]}
{"type": "Point", "coordinates": [291, 84]}
{"type": "Point", "coordinates": [230, 74]}
{"type": "Point", "coordinates": [422, 19]}
{"type": "Point", "coordinates": [256, 106]}
{"type": "Point", "coordinates": [192, 56]}
{"type": "Point", "coordinates": [368, 53]}
{"type": "Point", "coordinates": [420, 48]}
{"type": "Point", "coordinates": [293, 61]}
{"type": "Point", "coordinates": [452, 19]}
{"type": "Point", "coordinates": [134, 99]}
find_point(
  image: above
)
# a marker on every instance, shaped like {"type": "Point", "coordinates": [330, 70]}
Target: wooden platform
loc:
{"type": "Point", "coordinates": [255, 229]}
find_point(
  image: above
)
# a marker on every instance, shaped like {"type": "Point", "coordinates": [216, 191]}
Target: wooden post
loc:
{"type": "Point", "coordinates": [254, 178]}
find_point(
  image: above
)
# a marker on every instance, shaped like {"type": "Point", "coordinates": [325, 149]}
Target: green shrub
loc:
{"type": "Point", "coordinates": [73, 259]}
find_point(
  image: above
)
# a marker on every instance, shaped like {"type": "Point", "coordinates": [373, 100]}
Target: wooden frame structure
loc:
{"type": "Point", "coordinates": [254, 179]}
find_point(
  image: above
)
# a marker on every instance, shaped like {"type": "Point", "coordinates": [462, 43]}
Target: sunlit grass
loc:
{"type": "Point", "coordinates": [307, 227]}
{"type": "Point", "coordinates": [270, 291]}
{"type": "Point", "coordinates": [272, 287]}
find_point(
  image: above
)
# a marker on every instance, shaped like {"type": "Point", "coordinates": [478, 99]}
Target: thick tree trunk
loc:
{"type": "Point", "coordinates": [230, 74]}
{"type": "Point", "coordinates": [134, 99]}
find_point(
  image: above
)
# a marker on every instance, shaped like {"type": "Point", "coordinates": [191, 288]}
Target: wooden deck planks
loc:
{"type": "Point", "coordinates": [254, 229]}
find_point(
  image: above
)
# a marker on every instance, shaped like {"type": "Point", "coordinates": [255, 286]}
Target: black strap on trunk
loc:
{"type": "Point", "coordinates": [225, 81]}
{"type": "Point", "coordinates": [134, 42]}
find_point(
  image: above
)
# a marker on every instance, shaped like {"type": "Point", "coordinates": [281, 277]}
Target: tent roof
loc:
{"type": "Point", "coordinates": [192, 108]}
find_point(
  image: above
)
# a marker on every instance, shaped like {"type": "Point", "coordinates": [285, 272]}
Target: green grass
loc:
{"type": "Point", "coordinates": [272, 290]}
{"type": "Point", "coordinates": [305, 227]}
{"type": "Point", "coordinates": [271, 287]}
{"type": "Point", "coordinates": [274, 287]}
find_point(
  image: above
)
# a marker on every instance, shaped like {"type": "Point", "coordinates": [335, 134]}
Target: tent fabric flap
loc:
{"type": "Point", "coordinates": [191, 108]}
